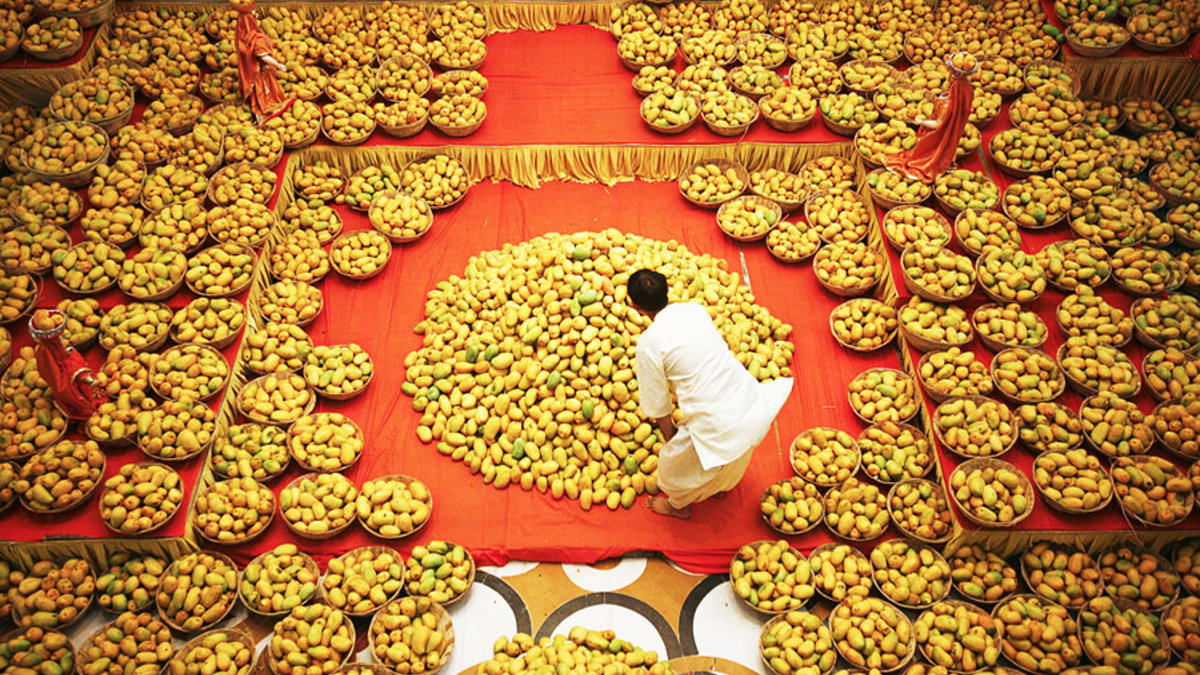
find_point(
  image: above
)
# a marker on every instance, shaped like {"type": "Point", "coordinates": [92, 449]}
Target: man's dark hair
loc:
{"type": "Point", "coordinates": [648, 290]}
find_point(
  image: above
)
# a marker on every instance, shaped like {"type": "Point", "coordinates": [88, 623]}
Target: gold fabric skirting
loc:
{"type": "Point", "coordinates": [1165, 79]}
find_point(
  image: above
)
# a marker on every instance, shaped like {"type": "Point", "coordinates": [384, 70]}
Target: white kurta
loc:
{"type": "Point", "coordinates": [726, 411]}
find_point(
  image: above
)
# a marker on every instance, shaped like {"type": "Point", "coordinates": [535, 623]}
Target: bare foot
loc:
{"type": "Point", "coordinates": [662, 506]}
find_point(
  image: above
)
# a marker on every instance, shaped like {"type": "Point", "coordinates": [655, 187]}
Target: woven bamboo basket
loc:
{"type": "Point", "coordinates": [841, 290]}
{"type": "Point", "coordinates": [991, 294]}
{"type": "Point", "coordinates": [1066, 509]}
{"type": "Point", "coordinates": [933, 394]}
{"type": "Point", "coordinates": [672, 130]}
{"type": "Point", "coordinates": [293, 444]}
{"type": "Point", "coordinates": [33, 300]}
{"type": "Point", "coordinates": [356, 141]}
{"type": "Point", "coordinates": [405, 480]}
{"type": "Point", "coordinates": [1093, 52]}
{"type": "Point", "coordinates": [181, 129]}
{"type": "Point", "coordinates": [892, 72]}
{"type": "Point", "coordinates": [1162, 441]}
{"type": "Point", "coordinates": [233, 291]}
{"type": "Point", "coordinates": [308, 564]}
{"type": "Point", "coordinates": [1016, 423]}
{"type": "Point", "coordinates": [899, 208]}
{"type": "Point", "coordinates": [88, 18]}
{"type": "Point", "coordinates": [732, 131]}
{"type": "Point", "coordinates": [245, 540]}
{"type": "Point", "coordinates": [1060, 384]}
{"type": "Point", "coordinates": [767, 628]}
{"type": "Point", "coordinates": [154, 528]}
{"type": "Point", "coordinates": [202, 630]}
{"type": "Point", "coordinates": [753, 200]}
{"type": "Point", "coordinates": [8, 52]}
{"type": "Point", "coordinates": [812, 525]}
{"type": "Point", "coordinates": [785, 125]}
{"type": "Point", "coordinates": [444, 625]}
{"type": "Point", "coordinates": [993, 631]}
{"type": "Point", "coordinates": [933, 296]}
{"type": "Point", "coordinates": [755, 544]}
{"type": "Point", "coordinates": [912, 647]}
{"type": "Point", "coordinates": [785, 206]}
{"type": "Point", "coordinates": [404, 130]}
{"type": "Point", "coordinates": [888, 203]}
{"type": "Point", "coordinates": [990, 462]}
{"type": "Point", "coordinates": [459, 131]}
{"type": "Point", "coordinates": [377, 550]}
{"type": "Point", "coordinates": [1155, 47]}
{"type": "Point", "coordinates": [358, 277]}
{"type": "Point", "coordinates": [850, 303]}
{"type": "Point", "coordinates": [56, 54]}
{"type": "Point", "coordinates": [841, 128]}
{"type": "Point", "coordinates": [1016, 172]}
{"type": "Point", "coordinates": [420, 159]}
{"type": "Point", "coordinates": [1172, 198]}
{"type": "Point", "coordinates": [319, 536]}
{"type": "Point", "coordinates": [1063, 548]}
{"type": "Point", "coordinates": [994, 344]}
{"type": "Point", "coordinates": [306, 141]}
{"type": "Point", "coordinates": [174, 352]}
{"type": "Point", "coordinates": [74, 179]}
{"type": "Point", "coordinates": [862, 560]}
{"type": "Point", "coordinates": [87, 497]}
{"type": "Point", "coordinates": [447, 66]}
{"type": "Point", "coordinates": [822, 485]}
{"type": "Point", "coordinates": [256, 417]}
{"type": "Point", "coordinates": [920, 545]}
{"type": "Point", "coordinates": [1081, 388]}
{"type": "Point", "coordinates": [725, 164]}
{"type": "Point", "coordinates": [900, 374]}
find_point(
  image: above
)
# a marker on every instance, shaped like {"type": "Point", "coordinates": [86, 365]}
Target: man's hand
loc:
{"type": "Point", "coordinates": [271, 61]}
{"type": "Point", "coordinates": [667, 426]}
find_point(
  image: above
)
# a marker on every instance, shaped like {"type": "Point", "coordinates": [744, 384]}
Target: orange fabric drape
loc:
{"type": "Point", "coordinates": [935, 149]}
{"type": "Point", "coordinates": [259, 87]}
{"type": "Point", "coordinates": [69, 377]}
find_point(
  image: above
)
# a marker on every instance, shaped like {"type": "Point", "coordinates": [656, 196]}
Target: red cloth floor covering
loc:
{"type": "Point", "coordinates": [498, 525]}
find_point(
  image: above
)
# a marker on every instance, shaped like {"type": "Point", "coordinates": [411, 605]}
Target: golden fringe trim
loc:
{"type": "Point", "coordinates": [96, 551]}
{"type": "Point", "coordinates": [529, 165]}
{"type": "Point", "coordinates": [1166, 79]}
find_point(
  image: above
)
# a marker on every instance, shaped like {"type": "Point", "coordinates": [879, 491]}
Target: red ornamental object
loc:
{"type": "Point", "coordinates": [70, 379]}
{"type": "Point", "coordinates": [937, 142]}
{"type": "Point", "coordinates": [256, 65]}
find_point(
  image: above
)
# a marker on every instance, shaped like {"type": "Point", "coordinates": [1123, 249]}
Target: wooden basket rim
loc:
{"type": "Point", "coordinates": [820, 485]}
{"type": "Point", "coordinates": [801, 560]}
{"type": "Point", "coordinates": [233, 601]}
{"type": "Point", "coordinates": [153, 528]}
{"type": "Point", "coordinates": [993, 463]}
{"type": "Point", "coordinates": [978, 400]}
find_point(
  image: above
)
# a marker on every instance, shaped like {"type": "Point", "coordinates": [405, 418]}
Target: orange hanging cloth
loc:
{"type": "Point", "coordinates": [259, 87]}
{"type": "Point", "coordinates": [935, 149]}
{"type": "Point", "coordinates": [65, 371]}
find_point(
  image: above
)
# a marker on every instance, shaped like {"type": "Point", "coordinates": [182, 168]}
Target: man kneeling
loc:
{"type": "Point", "coordinates": [726, 411]}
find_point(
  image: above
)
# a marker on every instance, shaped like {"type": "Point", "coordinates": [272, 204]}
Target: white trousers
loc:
{"type": "Point", "coordinates": [685, 481]}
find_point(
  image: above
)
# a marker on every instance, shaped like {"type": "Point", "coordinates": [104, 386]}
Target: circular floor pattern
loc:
{"type": "Point", "coordinates": [490, 610]}
{"type": "Point", "coordinates": [628, 570]}
{"type": "Point", "coordinates": [510, 569]}
{"type": "Point", "coordinates": [632, 619]}
{"type": "Point", "coordinates": [715, 622]}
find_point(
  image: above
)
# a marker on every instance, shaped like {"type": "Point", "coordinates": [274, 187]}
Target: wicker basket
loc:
{"type": "Point", "coordinates": [822, 485]}
{"type": "Point", "coordinates": [404, 130]}
{"type": "Point", "coordinates": [788, 125]}
{"type": "Point", "coordinates": [991, 294]}
{"type": "Point", "coordinates": [245, 540]}
{"type": "Point", "coordinates": [899, 374]}
{"type": "Point", "coordinates": [33, 300]}
{"type": "Point", "coordinates": [255, 417]}
{"type": "Point", "coordinates": [459, 131]}
{"type": "Point", "coordinates": [767, 518]}
{"type": "Point", "coordinates": [1154, 47]}
{"type": "Point", "coordinates": [406, 480]}
{"type": "Point", "coordinates": [306, 141]}
{"type": "Point", "coordinates": [421, 91]}
{"type": "Point", "coordinates": [887, 202]}
{"type": "Point", "coordinates": [1011, 170]}
{"type": "Point", "coordinates": [474, 65]}
{"type": "Point", "coordinates": [732, 582]}
{"type": "Point", "coordinates": [373, 216]}
{"type": "Point", "coordinates": [892, 72]}
{"type": "Point", "coordinates": [87, 18]}
{"type": "Point", "coordinates": [9, 52]}
{"type": "Point", "coordinates": [1162, 564]}
{"type": "Point", "coordinates": [991, 462]}
{"type": "Point", "coordinates": [1059, 548]}
{"type": "Point", "coordinates": [840, 290]}
{"type": "Point", "coordinates": [912, 647]}
{"type": "Point", "coordinates": [1093, 52]}
{"type": "Point", "coordinates": [767, 628]}
{"type": "Point", "coordinates": [1044, 226]}
{"type": "Point", "coordinates": [937, 215]}
{"type": "Point", "coordinates": [195, 642]}
{"type": "Point", "coordinates": [994, 632]}
{"type": "Point", "coordinates": [84, 499]}
{"type": "Point", "coordinates": [917, 289]}
{"type": "Point", "coordinates": [377, 550]}
{"type": "Point", "coordinates": [1172, 198]}
{"type": "Point", "coordinates": [934, 395]}
{"type": "Point", "coordinates": [320, 536]}
{"type": "Point", "coordinates": [112, 123]}
{"type": "Point", "coordinates": [1082, 389]}
{"type": "Point", "coordinates": [729, 132]}
{"type": "Point", "coordinates": [1065, 66]}
{"type": "Point", "coordinates": [357, 277]}
{"type": "Point", "coordinates": [1157, 395]}
{"type": "Point", "coordinates": [756, 201]}
{"type": "Point", "coordinates": [1162, 442]}
{"type": "Point", "coordinates": [841, 128]}
{"type": "Point", "coordinates": [725, 164]}
{"type": "Point", "coordinates": [74, 179]}
{"type": "Point", "coordinates": [887, 341]}
{"type": "Point", "coordinates": [153, 528]}
{"type": "Point", "coordinates": [634, 66]}
{"type": "Point", "coordinates": [292, 442]}
{"type": "Point", "coordinates": [1016, 422]}
{"type": "Point", "coordinates": [58, 54]}
{"type": "Point", "coordinates": [677, 129]}
{"type": "Point", "coordinates": [233, 291]}
{"type": "Point", "coordinates": [1059, 387]}
{"type": "Point", "coordinates": [444, 625]}
{"type": "Point", "coordinates": [177, 350]}
{"type": "Point", "coordinates": [785, 206]}
{"type": "Point", "coordinates": [1066, 509]}
{"type": "Point", "coordinates": [992, 343]}
{"type": "Point", "coordinates": [357, 141]}
{"type": "Point", "coordinates": [309, 564]}
{"type": "Point", "coordinates": [919, 543]}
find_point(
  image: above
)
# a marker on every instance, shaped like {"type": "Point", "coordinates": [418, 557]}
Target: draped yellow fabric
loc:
{"type": "Point", "coordinates": [528, 165]}
{"type": "Point", "coordinates": [1162, 78]}
{"type": "Point", "coordinates": [95, 551]}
